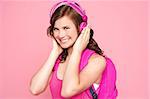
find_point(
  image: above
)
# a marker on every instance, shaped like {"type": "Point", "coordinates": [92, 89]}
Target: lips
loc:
{"type": "Point", "coordinates": [64, 40]}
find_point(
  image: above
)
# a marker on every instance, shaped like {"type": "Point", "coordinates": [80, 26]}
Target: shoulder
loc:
{"type": "Point", "coordinates": [99, 60]}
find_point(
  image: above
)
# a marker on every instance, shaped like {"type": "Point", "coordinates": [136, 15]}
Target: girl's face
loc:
{"type": "Point", "coordinates": [65, 32]}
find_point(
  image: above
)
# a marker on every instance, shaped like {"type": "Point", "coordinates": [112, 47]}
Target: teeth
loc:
{"type": "Point", "coordinates": [64, 40]}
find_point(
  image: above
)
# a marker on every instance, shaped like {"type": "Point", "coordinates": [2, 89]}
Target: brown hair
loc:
{"type": "Point", "coordinates": [65, 10]}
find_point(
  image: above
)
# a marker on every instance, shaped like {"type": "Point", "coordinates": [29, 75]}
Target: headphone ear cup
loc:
{"type": "Point", "coordinates": [82, 25]}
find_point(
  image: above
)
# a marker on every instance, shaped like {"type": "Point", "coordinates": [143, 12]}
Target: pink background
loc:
{"type": "Point", "coordinates": [121, 30]}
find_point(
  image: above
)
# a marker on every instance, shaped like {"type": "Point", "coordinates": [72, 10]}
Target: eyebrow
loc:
{"type": "Point", "coordinates": [62, 27]}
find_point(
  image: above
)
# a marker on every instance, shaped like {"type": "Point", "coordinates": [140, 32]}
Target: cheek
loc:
{"type": "Point", "coordinates": [74, 37]}
{"type": "Point", "coordinates": [74, 34]}
{"type": "Point", "coordinates": [55, 35]}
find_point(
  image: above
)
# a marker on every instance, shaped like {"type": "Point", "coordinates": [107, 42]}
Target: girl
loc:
{"type": "Point", "coordinates": [75, 66]}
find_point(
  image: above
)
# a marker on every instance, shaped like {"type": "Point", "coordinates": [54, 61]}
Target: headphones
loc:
{"type": "Point", "coordinates": [73, 5]}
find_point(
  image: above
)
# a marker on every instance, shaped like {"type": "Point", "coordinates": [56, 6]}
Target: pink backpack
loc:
{"type": "Point", "coordinates": [107, 88]}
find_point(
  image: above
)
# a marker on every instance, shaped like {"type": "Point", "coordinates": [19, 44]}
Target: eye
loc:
{"type": "Point", "coordinates": [55, 29]}
{"type": "Point", "coordinates": [66, 28]}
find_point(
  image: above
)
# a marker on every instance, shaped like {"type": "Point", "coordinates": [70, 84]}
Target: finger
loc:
{"type": "Point", "coordinates": [88, 34]}
{"type": "Point", "coordinates": [82, 33]}
{"type": "Point", "coordinates": [85, 32]}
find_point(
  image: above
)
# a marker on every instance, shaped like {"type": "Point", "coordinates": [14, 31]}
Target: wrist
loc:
{"type": "Point", "coordinates": [54, 54]}
{"type": "Point", "coordinates": [76, 52]}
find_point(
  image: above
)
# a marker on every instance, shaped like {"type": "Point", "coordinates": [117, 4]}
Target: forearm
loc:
{"type": "Point", "coordinates": [40, 79]}
{"type": "Point", "coordinates": [71, 77]}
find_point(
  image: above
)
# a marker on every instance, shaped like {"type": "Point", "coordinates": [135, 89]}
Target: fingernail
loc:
{"type": "Point", "coordinates": [88, 25]}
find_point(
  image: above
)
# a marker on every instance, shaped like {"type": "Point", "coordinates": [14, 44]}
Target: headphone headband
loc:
{"type": "Point", "coordinates": [72, 5]}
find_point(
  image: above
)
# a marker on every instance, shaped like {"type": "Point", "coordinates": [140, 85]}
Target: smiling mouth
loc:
{"type": "Point", "coordinates": [64, 40]}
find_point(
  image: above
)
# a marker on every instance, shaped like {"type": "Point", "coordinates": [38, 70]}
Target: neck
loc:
{"type": "Point", "coordinates": [70, 51]}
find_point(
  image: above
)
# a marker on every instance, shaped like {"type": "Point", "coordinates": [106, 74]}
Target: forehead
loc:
{"type": "Point", "coordinates": [63, 21]}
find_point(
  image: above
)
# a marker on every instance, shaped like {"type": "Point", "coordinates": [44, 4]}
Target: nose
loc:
{"type": "Point", "coordinates": [62, 34]}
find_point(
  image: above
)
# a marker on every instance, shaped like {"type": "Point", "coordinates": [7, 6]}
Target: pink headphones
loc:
{"type": "Point", "coordinates": [77, 8]}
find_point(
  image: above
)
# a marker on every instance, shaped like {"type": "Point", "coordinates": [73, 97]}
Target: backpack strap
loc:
{"type": "Point", "coordinates": [56, 63]}
{"type": "Point", "coordinates": [93, 93]}
{"type": "Point", "coordinates": [86, 54]}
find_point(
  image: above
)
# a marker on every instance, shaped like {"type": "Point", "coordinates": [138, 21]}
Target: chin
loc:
{"type": "Point", "coordinates": [65, 46]}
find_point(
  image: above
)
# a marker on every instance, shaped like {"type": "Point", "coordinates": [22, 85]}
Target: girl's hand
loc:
{"type": "Point", "coordinates": [56, 48]}
{"type": "Point", "coordinates": [82, 40]}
